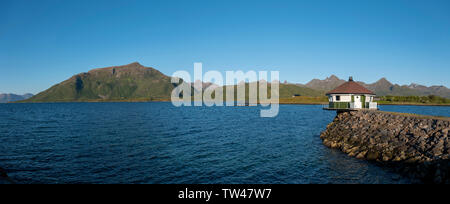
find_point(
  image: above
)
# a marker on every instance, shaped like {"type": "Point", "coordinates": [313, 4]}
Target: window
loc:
{"type": "Point", "coordinates": [338, 98]}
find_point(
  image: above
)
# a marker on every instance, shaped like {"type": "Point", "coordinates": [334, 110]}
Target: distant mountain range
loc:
{"type": "Point", "coordinates": [5, 98]}
{"type": "Point", "coordinates": [135, 82]}
{"type": "Point", "coordinates": [382, 87]}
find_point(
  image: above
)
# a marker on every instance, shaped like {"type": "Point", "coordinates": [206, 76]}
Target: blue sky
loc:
{"type": "Point", "coordinates": [47, 41]}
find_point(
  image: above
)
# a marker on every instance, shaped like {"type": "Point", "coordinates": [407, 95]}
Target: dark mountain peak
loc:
{"type": "Point", "coordinates": [135, 64]}
{"type": "Point", "coordinates": [133, 69]}
{"type": "Point", "coordinates": [332, 78]}
{"type": "Point", "coordinates": [383, 81]}
{"type": "Point", "coordinates": [327, 84]}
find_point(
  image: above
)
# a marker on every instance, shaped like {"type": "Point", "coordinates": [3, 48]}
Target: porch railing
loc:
{"type": "Point", "coordinates": [350, 105]}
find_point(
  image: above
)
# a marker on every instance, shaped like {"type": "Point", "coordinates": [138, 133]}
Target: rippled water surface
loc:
{"type": "Point", "coordinates": [160, 143]}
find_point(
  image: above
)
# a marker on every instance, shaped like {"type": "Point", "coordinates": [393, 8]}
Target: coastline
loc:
{"type": "Point", "coordinates": [281, 102]}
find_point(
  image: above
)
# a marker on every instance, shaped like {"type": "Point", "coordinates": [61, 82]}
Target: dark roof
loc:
{"type": "Point", "coordinates": [350, 87]}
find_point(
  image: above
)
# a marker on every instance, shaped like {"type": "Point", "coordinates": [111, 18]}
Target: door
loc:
{"type": "Point", "coordinates": [363, 101]}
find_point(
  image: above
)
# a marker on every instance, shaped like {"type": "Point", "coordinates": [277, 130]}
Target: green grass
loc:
{"type": "Point", "coordinates": [413, 100]}
{"type": "Point", "coordinates": [304, 100]}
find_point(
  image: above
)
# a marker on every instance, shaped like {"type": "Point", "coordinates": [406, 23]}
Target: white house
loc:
{"type": "Point", "coordinates": [351, 96]}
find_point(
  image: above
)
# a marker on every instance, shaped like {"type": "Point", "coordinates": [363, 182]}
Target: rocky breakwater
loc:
{"type": "Point", "coordinates": [418, 146]}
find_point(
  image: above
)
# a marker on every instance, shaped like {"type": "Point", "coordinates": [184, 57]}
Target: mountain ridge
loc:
{"type": "Point", "coordinates": [382, 87]}
{"type": "Point", "coordinates": [135, 82]}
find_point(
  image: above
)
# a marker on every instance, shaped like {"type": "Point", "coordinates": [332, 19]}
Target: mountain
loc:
{"type": "Point", "coordinates": [327, 84]}
{"type": "Point", "coordinates": [432, 90]}
{"type": "Point", "coordinates": [118, 83]}
{"type": "Point", "coordinates": [382, 87]}
{"type": "Point", "coordinates": [5, 98]}
{"type": "Point", "coordinates": [135, 82]}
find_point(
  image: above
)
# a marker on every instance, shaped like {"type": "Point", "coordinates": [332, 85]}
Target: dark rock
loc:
{"type": "Point", "coordinates": [419, 147]}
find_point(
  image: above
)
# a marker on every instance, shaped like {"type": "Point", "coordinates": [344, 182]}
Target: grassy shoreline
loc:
{"type": "Point", "coordinates": [299, 100]}
{"type": "Point", "coordinates": [412, 104]}
{"type": "Point", "coordinates": [282, 102]}
{"type": "Point", "coordinates": [388, 104]}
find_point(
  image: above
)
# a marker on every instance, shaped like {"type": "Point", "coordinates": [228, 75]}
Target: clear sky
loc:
{"type": "Point", "coordinates": [47, 41]}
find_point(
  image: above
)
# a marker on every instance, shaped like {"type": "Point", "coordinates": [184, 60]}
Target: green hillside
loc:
{"type": "Point", "coordinates": [129, 82]}
{"type": "Point", "coordinates": [289, 90]}
{"type": "Point", "coordinates": [286, 91]}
